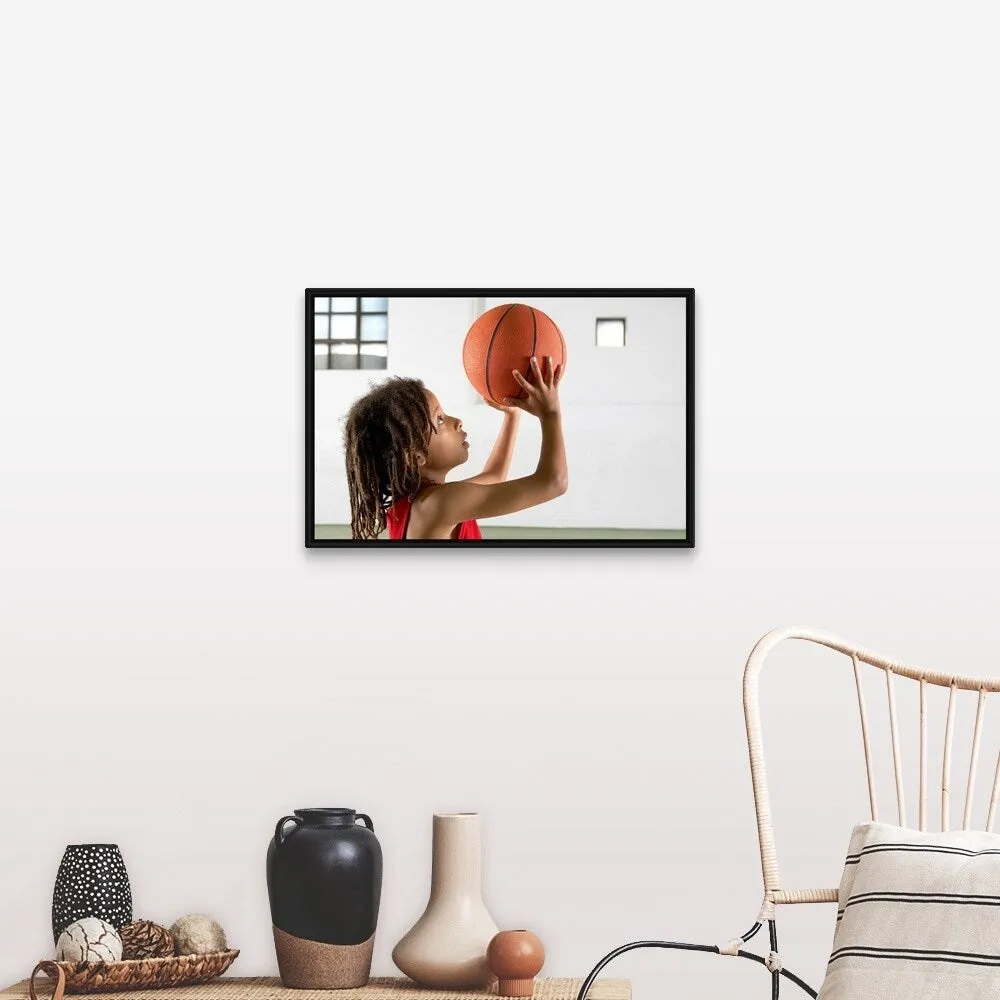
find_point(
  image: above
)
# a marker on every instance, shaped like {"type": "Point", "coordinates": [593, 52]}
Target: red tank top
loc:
{"type": "Point", "coordinates": [397, 520]}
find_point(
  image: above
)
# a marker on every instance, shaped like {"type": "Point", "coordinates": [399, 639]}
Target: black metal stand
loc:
{"type": "Point", "coordinates": [776, 974]}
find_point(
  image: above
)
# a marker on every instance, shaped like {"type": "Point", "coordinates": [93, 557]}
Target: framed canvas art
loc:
{"type": "Point", "coordinates": [499, 417]}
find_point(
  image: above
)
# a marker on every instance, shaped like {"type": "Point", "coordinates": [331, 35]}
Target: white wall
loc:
{"type": "Point", "coordinates": [623, 409]}
{"type": "Point", "coordinates": [828, 189]}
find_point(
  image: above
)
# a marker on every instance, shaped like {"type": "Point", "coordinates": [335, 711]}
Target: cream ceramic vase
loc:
{"type": "Point", "coordinates": [446, 948]}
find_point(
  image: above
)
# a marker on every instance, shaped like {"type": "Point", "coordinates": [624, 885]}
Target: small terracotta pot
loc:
{"type": "Point", "coordinates": [515, 958]}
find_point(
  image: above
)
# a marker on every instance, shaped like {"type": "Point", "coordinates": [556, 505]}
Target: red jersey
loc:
{"type": "Point", "coordinates": [397, 520]}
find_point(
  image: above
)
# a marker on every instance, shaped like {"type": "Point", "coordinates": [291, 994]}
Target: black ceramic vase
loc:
{"type": "Point", "coordinates": [324, 883]}
{"type": "Point", "coordinates": [91, 882]}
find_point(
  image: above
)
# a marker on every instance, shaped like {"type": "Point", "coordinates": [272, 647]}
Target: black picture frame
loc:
{"type": "Point", "coordinates": [311, 294]}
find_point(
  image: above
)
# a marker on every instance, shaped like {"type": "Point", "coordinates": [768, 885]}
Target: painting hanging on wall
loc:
{"type": "Point", "coordinates": [499, 417]}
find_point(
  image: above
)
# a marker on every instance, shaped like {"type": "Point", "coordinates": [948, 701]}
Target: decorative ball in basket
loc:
{"type": "Point", "coordinates": [144, 939]}
{"type": "Point", "coordinates": [197, 934]}
{"type": "Point", "coordinates": [89, 940]}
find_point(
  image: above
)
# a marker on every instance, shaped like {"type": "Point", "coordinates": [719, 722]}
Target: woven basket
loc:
{"type": "Point", "coordinates": [133, 974]}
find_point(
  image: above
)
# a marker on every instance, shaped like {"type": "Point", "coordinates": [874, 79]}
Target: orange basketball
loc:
{"type": "Point", "coordinates": [507, 337]}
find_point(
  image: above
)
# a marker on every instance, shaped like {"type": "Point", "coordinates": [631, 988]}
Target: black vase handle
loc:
{"type": "Point", "coordinates": [279, 830]}
{"type": "Point", "coordinates": [367, 820]}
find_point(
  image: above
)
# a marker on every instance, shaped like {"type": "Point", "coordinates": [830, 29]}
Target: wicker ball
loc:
{"type": "Point", "coordinates": [197, 934]}
{"type": "Point", "coordinates": [144, 939]}
{"type": "Point", "coordinates": [89, 940]}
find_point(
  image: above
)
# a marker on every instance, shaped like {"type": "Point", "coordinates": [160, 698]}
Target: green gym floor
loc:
{"type": "Point", "coordinates": [332, 531]}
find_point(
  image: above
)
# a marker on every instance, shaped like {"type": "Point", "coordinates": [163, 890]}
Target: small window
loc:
{"type": "Point", "coordinates": [351, 332]}
{"type": "Point", "coordinates": [611, 332]}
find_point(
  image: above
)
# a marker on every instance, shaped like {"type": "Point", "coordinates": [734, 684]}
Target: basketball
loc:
{"type": "Point", "coordinates": [508, 337]}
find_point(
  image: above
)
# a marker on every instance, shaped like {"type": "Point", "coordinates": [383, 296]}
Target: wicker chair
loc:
{"type": "Point", "coordinates": [775, 892]}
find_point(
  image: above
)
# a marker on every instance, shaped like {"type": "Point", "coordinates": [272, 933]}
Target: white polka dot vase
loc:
{"type": "Point", "coordinates": [91, 882]}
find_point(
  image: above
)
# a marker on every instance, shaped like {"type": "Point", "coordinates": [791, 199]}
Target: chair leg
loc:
{"type": "Point", "coordinates": [772, 931]}
{"type": "Point", "coordinates": [772, 963]}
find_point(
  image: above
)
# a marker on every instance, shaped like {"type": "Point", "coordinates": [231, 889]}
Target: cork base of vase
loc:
{"type": "Point", "coordinates": [313, 965]}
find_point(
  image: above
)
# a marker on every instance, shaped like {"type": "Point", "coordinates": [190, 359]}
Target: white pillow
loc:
{"type": "Point", "coordinates": [918, 917]}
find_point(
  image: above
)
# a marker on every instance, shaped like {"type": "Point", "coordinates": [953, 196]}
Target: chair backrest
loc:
{"type": "Point", "coordinates": [859, 658]}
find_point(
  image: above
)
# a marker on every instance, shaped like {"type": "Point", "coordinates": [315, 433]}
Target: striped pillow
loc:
{"type": "Point", "coordinates": [918, 917]}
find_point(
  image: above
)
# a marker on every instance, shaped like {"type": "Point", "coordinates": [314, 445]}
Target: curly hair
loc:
{"type": "Point", "coordinates": [385, 430]}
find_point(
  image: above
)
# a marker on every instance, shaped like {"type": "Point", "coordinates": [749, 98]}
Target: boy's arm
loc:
{"type": "Point", "coordinates": [495, 469]}
{"type": "Point", "coordinates": [452, 503]}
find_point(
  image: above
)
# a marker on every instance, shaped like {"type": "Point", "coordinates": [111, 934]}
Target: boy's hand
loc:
{"type": "Point", "coordinates": [543, 394]}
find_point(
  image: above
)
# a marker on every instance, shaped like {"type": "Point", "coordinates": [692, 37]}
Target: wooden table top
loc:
{"type": "Point", "coordinates": [378, 988]}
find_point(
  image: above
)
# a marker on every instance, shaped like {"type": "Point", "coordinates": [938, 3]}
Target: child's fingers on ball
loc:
{"type": "Point", "coordinates": [521, 380]}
